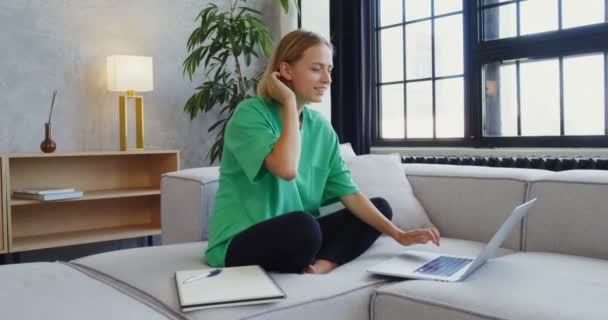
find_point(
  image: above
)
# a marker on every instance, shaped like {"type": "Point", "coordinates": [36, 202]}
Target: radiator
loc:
{"type": "Point", "coordinates": [547, 163]}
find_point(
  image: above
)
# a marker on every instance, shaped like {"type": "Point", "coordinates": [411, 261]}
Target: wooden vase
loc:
{"type": "Point", "coordinates": [48, 145]}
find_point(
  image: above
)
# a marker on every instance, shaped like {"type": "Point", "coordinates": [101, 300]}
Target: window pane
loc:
{"type": "Point", "coordinates": [391, 60]}
{"type": "Point", "coordinates": [447, 6]}
{"type": "Point", "coordinates": [584, 95]}
{"type": "Point", "coordinates": [391, 12]}
{"type": "Point", "coordinates": [419, 110]}
{"type": "Point", "coordinates": [539, 85]}
{"type": "Point", "coordinates": [500, 22]}
{"type": "Point", "coordinates": [417, 9]}
{"type": "Point", "coordinates": [575, 13]}
{"type": "Point", "coordinates": [392, 111]}
{"type": "Point", "coordinates": [418, 50]}
{"type": "Point", "coordinates": [500, 100]}
{"type": "Point", "coordinates": [538, 16]}
{"type": "Point", "coordinates": [449, 108]}
{"type": "Point", "coordinates": [448, 46]}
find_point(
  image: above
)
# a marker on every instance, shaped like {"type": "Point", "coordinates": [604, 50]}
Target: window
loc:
{"type": "Point", "coordinates": [545, 97]}
{"type": "Point", "coordinates": [485, 73]}
{"type": "Point", "coordinates": [504, 19]}
{"type": "Point", "coordinates": [421, 69]}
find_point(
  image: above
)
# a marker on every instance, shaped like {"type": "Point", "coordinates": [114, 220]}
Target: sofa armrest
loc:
{"type": "Point", "coordinates": [187, 199]}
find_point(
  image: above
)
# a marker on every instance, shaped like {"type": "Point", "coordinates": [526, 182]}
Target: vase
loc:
{"type": "Point", "coordinates": [48, 145]}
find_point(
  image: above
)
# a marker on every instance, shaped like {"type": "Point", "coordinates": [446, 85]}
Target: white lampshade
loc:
{"type": "Point", "coordinates": [130, 73]}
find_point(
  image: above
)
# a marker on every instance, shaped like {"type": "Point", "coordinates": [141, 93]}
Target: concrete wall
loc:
{"type": "Point", "coordinates": [63, 44]}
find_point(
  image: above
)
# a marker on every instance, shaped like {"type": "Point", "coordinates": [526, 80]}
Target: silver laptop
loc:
{"type": "Point", "coordinates": [433, 266]}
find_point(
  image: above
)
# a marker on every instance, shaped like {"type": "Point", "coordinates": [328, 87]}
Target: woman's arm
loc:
{"type": "Point", "coordinates": [365, 210]}
{"type": "Point", "coordinates": [285, 155]}
{"type": "Point", "coordinates": [284, 158]}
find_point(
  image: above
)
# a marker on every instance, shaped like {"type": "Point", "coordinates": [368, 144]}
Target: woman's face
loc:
{"type": "Point", "coordinates": [311, 75]}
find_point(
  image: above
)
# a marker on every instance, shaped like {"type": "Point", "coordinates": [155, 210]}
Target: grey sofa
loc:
{"type": "Point", "coordinates": [552, 267]}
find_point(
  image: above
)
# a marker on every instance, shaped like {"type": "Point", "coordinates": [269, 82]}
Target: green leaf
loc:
{"type": "Point", "coordinates": [255, 22]}
{"type": "Point", "coordinates": [210, 69]}
{"type": "Point", "coordinates": [216, 124]}
{"type": "Point", "coordinates": [247, 59]}
{"type": "Point", "coordinates": [247, 9]}
{"type": "Point", "coordinates": [285, 5]}
{"type": "Point", "coordinates": [192, 61]}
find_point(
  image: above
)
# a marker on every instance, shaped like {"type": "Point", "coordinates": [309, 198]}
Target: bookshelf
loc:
{"type": "Point", "coordinates": [121, 197]}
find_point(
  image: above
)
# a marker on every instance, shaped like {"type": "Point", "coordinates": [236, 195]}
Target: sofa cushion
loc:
{"type": "Point", "coordinates": [468, 202]}
{"type": "Point", "coordinates": [382, 176]}
{"type": "Point", "coordinates": [56, 290]}
{"type": "Point", "coordinates": [187, 199]}
{"type": "Point", "coordinates": [344, 293]}
{"type": "Point", "coordinates": [346, 150]}
{"type": "Point", "coordinates": [570, 216]}
{"type": "Point", "coordinates": [516, 286]}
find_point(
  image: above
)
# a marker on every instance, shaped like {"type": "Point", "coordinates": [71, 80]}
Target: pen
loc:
{"type": "Point", "coordinates": [210, 273]}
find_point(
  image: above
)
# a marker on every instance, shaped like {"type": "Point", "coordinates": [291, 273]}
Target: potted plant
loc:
{"type": "Point", "coordinates": [222, 45]}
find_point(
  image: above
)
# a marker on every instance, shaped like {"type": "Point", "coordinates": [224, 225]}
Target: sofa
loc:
{"type": "Point", "coordinates": [553, 265]}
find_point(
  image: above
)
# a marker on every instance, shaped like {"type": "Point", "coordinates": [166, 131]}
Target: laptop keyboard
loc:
{"type": "Point", "coordinates": [443, 266]}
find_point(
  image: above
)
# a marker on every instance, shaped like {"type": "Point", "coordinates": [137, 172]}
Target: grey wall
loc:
{"type": "Point", "coordinates": [63, 44]}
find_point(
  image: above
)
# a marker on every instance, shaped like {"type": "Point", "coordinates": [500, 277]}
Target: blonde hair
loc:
{"type": "Point", "coordinates": [290, 49]}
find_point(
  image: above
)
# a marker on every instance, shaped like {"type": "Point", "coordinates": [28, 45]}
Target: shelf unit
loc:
{"type": "Point", "coordinates": [121, 197]}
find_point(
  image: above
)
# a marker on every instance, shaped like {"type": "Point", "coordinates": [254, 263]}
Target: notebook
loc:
{"type": "Point", "coordinates": [231, 286]}
{"type": "Point", "coordinates": [44, 190]}
{"type": "Point", "coordinates": [49, 196]}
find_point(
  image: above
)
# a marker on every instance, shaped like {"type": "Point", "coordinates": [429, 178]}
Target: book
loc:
{"type": "Point", "coordinates": [230, 286]}
{"type": "Point", "coordinates": [48, 197]}
{"type": "Point", "coordinates": [44, 190]}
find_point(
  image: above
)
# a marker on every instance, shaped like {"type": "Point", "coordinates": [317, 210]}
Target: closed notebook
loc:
{"type": "Point", "coordinates": [48, 197]}
{"type": "Point", "coordinates": [231, 286]}
{"type": "Point", "coordinates": [44, 190]}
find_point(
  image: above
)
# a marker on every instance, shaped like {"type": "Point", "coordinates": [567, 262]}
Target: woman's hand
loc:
{"type": "Point", "coordinates": [280, 91]}
{"type": "Point", "coordinates": [418, 236]}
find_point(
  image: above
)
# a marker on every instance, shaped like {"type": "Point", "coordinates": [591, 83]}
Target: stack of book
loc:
{"type": "Point", "coordinates": [47, 194]}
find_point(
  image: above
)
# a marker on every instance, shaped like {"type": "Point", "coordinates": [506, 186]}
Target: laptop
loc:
{"type": "Point", "coordinates": [220, 287]}
{"type": "Point", "coordinates": [434, 266]}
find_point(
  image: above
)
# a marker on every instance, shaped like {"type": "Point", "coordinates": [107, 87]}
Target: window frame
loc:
{"type": "Point", "coordinates": [572, 41]}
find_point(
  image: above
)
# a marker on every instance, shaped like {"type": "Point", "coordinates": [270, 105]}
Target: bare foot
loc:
{"type": "Point", "coordinates": [310, 269]}
{"type": "Point", "coordinates": [320, 267]}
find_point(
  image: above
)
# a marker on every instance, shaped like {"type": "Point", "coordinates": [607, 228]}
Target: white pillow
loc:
{"type": "Point", "coordinates": [383, 176]}
{"type": "Point", "coordinates": [346, 150]}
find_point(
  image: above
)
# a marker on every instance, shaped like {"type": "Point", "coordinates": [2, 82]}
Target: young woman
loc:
{"type": "Point", "coordinates": [280, 163]}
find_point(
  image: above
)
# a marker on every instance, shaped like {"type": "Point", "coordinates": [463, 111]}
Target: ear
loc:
{"type": "Point", "coordinates": [285, 70]}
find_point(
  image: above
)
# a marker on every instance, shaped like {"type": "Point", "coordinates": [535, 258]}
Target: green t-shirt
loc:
{"type": "Point", "coordinates": [248, 193]}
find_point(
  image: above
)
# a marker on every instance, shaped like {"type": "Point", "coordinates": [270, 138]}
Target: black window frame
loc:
{"type": "Point", "coordinates": [553, 44]}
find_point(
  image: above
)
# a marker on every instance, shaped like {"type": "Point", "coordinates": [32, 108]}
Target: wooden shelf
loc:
{"type": "Point", "coordinates": [91, 153]}
{"type": "Point", "coordinates": [96, 195]}
{"type": "Point", "coordinates": [121, 197]}
{"type": "Point", "coordinates": [83, 236]}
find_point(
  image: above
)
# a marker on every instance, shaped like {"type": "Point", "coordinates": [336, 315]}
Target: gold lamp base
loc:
{"type": "Point", "coordinates": [139, 122]}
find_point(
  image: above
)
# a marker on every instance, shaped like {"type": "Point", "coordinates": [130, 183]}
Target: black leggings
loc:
{"type": "Point", "coordinates": [290, 242]}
